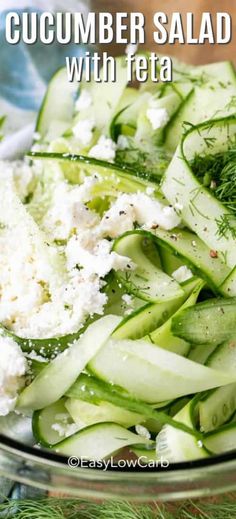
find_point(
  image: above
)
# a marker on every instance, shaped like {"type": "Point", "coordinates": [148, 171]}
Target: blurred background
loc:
{"type": "Point", "coordinates": [195, 54]}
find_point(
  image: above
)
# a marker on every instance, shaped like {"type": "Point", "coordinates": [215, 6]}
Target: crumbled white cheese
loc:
{"type": "Point", "coordinates": [141, 208]}
{"type": "Point", "coordinates": [150, 190]}
{"type": "Point", "coordinates": [122, 142]}
{"type": "Point", "coordinates": [127, 299]}
{"type": "Point", "coordinates": [22, 174]}
{"type": "Point", "coordinates": [178, 207]}
{"type": "Point", "coordinates": [83, 131]}
{"type": "Point", "coordinates": [12, 369]}
{"type": "Point", "coordinates": [182, 274]}
{"type": "Point", "coordinates": [105, 149]}
{"type": "Point", "coordinates": [36, 136]}
{"type": "Point", "coordinates": [128, 304]}
{"type": "Point", "coordinates": [84, 101]}
{"type": "Point", "coordinates": [142, 431]}
{"type": "Point", "coordinates": [99, 260]}
{"type": "Point", "coordinates": [131, 48]}
{"type": "Point", "coordinates": [63, 425]}
{"type": "Point", "coordinates": [158, 117]}
{"type": "Point", "coordinates": [67, 213]}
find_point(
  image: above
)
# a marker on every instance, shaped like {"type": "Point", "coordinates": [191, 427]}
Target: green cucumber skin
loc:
{"type": "Point", "coordinates": [45, 347]}
{"type": "Point", "coordinates": [88, 162]}
{"type": "Point", "coordinates": [39, 431]}
{"type": "Point", "coordinates": [99, 441]}
{"type": "Point", "coordinates": [163, 336]}
{"type": "Point", "coordinates": [223, 357]}
{"type": "Point", "coordinates": [173, 240]}
{"type": "Point", "coordinates": [55, 379]}
{"type": "Point", "coordinates": [146, 319]}
{"type": "Point", "coordinates": [147, 281]}
{"type": "Point", "coordinates": [211, 322]}
{"type": "Point", "coordinates": [93, 390]}
{"type": "Point", "coordinates": [223, 440]}
{"type": "Point", "coordinates": [217, 408]}
{"type": "Point", "coordinates": [190, 111]}
{"type": "Point", "coordinates": [201, 210]}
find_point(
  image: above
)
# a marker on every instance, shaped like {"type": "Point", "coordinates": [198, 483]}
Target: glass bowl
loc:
{"type": "Point", "coordinates": [47, 470]}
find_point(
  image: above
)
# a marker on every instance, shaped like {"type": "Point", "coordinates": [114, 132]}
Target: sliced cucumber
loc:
{"type": "Point", "coordinates": [193, 252]}
{"type": "Point", "coordinates": [43, 422]}
{"type": "Point", "coordinates": [175, 445]}
{"type": "Point", "coordinates": [223, 440]}
{"type": "Point", "coordinates": [170, 262]}
{"type": "Point", "coordinates": [127, 113]}
{"type": "Point", "coordinates": [163, 335]}
{"type": "Point", "coordinates": [56, 378]}
{"type": "Point", "coordinates": [210, 322]}
{"type": "Point", "coordinates": [146, 319]}
{"type": "Point", "coordinates": [161, 374]}
{"type": "Point", "coordinates": [89, 413]}
{"type": "Point", "coordinates": [200, 209]}
{"type": "Point", "coordinates": [45, 347]}
{"type": "Point", "coordinates": [136, 180]}
{"type": "Point", "coordinates": [224, 356]}
{"type": "Point", "coordinates": [213, 85]}
{"type": "Point", "coordinates": [228, 287]}
{"type": "Point", "coordinates": [99, 441]}
{"type": "Point", "coordinates": [92, 390]}
{"type": "Point", "coordinates": [146, 457]}
{"type": "Point", "coordinates": [201, 352]}
{"type": "Point", "coordinates": [217, 407]}
{"type": "Point", "coordinates": [58, 106]}
{"type": "Point", "coordinates": [146, 281]}
{"type": "Point", "coordinates": [145, 133]}
{"type": "Point", "coordinates": [106, 97]}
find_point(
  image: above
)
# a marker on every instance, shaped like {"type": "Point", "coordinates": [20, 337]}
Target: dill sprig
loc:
{"type": "Point", "coordinates": [154, 162]}
{"type": "Point", "coordinates": [226, 188]}
{"type": "Point", "coordinates": [218, 172]}
{"type": "Point", "coordinates": [72, 508]}
{"type": "Point", "coordinates": [226, 226]}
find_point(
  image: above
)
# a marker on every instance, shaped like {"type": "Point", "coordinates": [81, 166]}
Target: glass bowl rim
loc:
{"type": "Point", "coordinates": [58, 461]}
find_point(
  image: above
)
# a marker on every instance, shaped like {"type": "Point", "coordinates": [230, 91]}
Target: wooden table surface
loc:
{"type": "Point", "coordinates": [195, 54]}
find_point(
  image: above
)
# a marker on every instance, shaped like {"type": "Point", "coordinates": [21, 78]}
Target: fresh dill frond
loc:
{"type": "Point", "coordinates": [226, 188]}
{"type": "Point", "coordinates": [226, 226]}
{"type": "Point", "coordinates": [152, 162]}
{"type": "Point", "coordinates": [72, 508]}
{"type": "Point", "coordinates": [218, 172]}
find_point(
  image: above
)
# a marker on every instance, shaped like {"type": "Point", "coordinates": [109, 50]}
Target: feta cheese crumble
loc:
{"type": "Point", "coordinates": [131, 48]}
{"type": "Point", "coordinates": [83, 131]}
{"type": "Point", "coordinates": [182, 274]}
{"type": "Point", "coordinates": [12, 369]}
{"type": "Point", "coordinates": [67, 211]}
{"type": "Point", "coordinates": [122, 142]}
{"type": "Point", "coordinates": [158, 117]}
{"type": "Point", "coordinates": [105, 149]}
{"type": "Point", "coordinates": [63, 426]}
{"type": "Point", "coordinates": [140, 208]}
{"type": "Point", "coordinates": [84, 101]}
{"type": "Point", "coordinates": [98, 259]}
{"type": "Point", "coordinates": [142, 431]}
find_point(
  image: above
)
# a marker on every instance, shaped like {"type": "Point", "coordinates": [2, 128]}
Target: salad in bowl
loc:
{"type": "Point", "coordinates": [118, 270]}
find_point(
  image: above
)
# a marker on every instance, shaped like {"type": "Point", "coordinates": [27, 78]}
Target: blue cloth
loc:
{"type": "Point", "coordinates": [24, 73]}
{"type": "Point", "coordinates": [26, 69]}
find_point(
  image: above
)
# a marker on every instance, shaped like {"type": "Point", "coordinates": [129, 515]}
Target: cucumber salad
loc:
{"type": "Point", "coordinates": [118, 270]}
